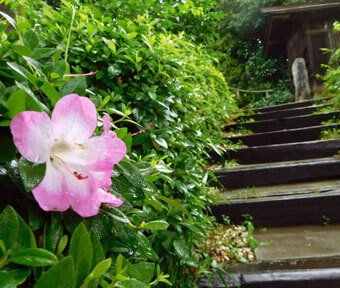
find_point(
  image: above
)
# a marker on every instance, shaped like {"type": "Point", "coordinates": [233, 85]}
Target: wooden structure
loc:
{"type": "Point", "coordinates": [300, 31]}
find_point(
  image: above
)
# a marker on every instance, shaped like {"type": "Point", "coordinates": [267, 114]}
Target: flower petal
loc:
{"type": "Point", "coordinates": [82, 193]}
{"type": "Point", "coordinates": [32, 135]}
{"type": "Point", "coordinates": [74, 119]}
{"type": "Point", "coordinates": [49, 193]}
{"type": "Point", "coordinates": [109, 199]}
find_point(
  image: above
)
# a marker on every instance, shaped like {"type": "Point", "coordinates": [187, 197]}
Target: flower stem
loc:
{"type": "Point", "coordinates": [69, 34]}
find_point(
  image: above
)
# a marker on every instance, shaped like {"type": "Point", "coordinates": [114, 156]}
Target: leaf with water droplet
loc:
{"type": "Point", "coordinates": [31, 173]}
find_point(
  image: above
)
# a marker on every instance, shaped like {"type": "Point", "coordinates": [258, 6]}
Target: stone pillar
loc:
{"type": "Point", "coordinates": [301, 81]}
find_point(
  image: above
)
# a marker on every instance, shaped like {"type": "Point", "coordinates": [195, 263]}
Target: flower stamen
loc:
{"type": "Point", "coordinates": [79, 176]}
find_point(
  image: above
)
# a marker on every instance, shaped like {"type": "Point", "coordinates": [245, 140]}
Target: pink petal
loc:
{"type": "Point", "coordinates": [49, 193]}
{"type": "Point", "coordinates": [82, 193]}
{"type": "Point", "coordinates": [109, 199]}
{"type": "Point", "coordinates": [74, 119]}
{"type": "Point", "coordinates": [105, 150]}
{"type": "Point", "coordinates": [32, 135]}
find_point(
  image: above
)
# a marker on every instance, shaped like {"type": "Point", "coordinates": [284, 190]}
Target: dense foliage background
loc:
{"type": "Point", "coordinates": [161, 62]}
{"type": "Point", "coordinates": [149, 70]}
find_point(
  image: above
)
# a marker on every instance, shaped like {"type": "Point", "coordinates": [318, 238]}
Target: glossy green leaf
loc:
{"type": "Point", "coordinates": [82, 252]}
{"type": "Point", "coordinates": [6, 280]}
{"type": "Point", "coordinates": [146, 247]}
{"type": "Point", "coordinates": [16, 103]}
{"type": "Point", "coordinates": [74, 86]}
{"type": "Point", "coordinates": [98, 251]}
{"type": "Point", "coordinates": [61, 275]}
{"type": "Point", "coordinates": [98, 271]}
{"type": "Point", "coordinates": [9, 226]}
{"type": "Point", "coordinates": [33, 257]}
{"type": "Point", "coordinates": [22, 50]}
{"type": "Point", "coordinates": [17, 273]}
{"type": "Point", "coordinates": [9, 19]}
{"type": "Point", "coordinates": [53, 232]}
{"type": "Point", "coordinates": [156, 225]}
{"type": "Point", "coordinates": [146, 270]}
{"type": "Point", "coordinates": [31, 173]}
{"type": "Point", "coordinates": [50, 92]}
{"type": "Point", "coordinates": [30, 39]}
{"type": "Point", "coordinates": [132, 174]}
{"type": "Point", "coordinates": [174, 203]}
{"type": "Point", "coordinates": [131, 283]}
{"type": "Point", "coordinates": [14, 231]}
{"type": "Point", "coordinates": [115, 213]}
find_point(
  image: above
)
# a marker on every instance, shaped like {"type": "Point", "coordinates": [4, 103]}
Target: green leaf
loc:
{"type": "Point", "coordinates": [146, 247]}
{"type": "Point", "coordinates": [14, 231]}
{"type": "Point", "coordinates": [6, 280]}
{"type": "Point", "coordinates": [114, 71]}
{"type": "Point", "coordinates": [131, 283]}
{"type": "Point", "coordinates": [174, 203]}
{"type": "Point", "coordinates": [115, 214]}
{"type": "Point", "coordinates": [31, 173]}
{"type": "Point", "coordinates": [50, 92]}
{"type": "Point", "coordinates": [9, 19]}
{"type": "Point", "coordinates": [8, 149]}
{"type": "Point", "coordinates": [30, 39]}
{"type": "Point", "coordinates": [9, 226]}
{"type": "Point", "coordinates": [146, 270]}
{"type": "Point", "coordinates": [132, 174]}
{"type": "Point", "coordinates": [156, 225]}
{"type": "Point", "coordinates": [16, 103]}
{"type": "Point", "coordinates": [82, 252]}
{"type": "Point", "coordinates": [62, 244]}
{"type": "Point", "coordinates": [161, 142]}
{"type": "Point", "coordinates": [53, 232]}
{"type": "Point", "coordinates": [110, 44]}
{"type": "Point", "coordinates": [98, 271]}
{"type": "Point", "coordinates": [40, 53]}
{"type": "Point", "coordinates": [61, 275]}
{"type": "Point", "coordinates": [183, 252]}
{"type": "Point", "coordinates": [76, 86]}
{"type": "Point", "coordinates": [33, 257]}
{"type": "Point", "coordinates": [21, 50]}
{"type": "Point", "coordinates": [19, 275]}
{"type": "Point", "coordinates": [98, 251]}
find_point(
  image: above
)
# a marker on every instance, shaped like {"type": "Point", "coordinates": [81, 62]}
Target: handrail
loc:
{"type": "Point", "coordinates": [250, 91]}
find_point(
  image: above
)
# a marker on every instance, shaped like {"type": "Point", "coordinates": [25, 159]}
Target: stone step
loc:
{"type": "Point", "coordinates": [284, 113]}
{"type": "Point", "coordinates": [284, 123]}
{"type": "Point", "coordinates": [285, 136]}
{"type": "Point", "coordinates": [278, 173]}
{"type": "Point", "coordinates": [289, 204]}
{"type": "Point", "coordinates": [314, 272]}
{"type": "Point", "coordinates": [287, 106]}
{"type": "Point", "coordinates": [282, 152]}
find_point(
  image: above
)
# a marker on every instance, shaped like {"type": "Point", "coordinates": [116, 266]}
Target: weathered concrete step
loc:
{"type": "Point", "coordinates": [287, 106]}
{"type": "Point", "coordinates": [282, 152]}
{"type": "Point", "coordinates": [316, 272]}
{"type": "Point", "coordinates": [280, 137]}
{"type": "Point", "coordinates": [284, 123]}
{"type": "Point", "coordinates": [284, 113]}
{"type": "Point", "coordinates": [278, 173]}
{"type": "Point", "coordinates": [283, 205]}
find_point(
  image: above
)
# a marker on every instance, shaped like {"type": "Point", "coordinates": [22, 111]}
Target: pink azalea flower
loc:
{"type": "Point", "coordinates": [78, 166]}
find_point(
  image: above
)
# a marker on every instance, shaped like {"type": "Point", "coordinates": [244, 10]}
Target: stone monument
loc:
{"type": "Point", "coordinates": [301, 81]}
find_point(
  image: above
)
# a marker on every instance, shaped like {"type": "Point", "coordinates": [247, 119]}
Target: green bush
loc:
{"type": "Point", "coordinates": [145, 74]}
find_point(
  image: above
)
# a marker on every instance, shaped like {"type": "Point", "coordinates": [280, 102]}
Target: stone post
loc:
{"type": "Point", "coordinates": [301, 81]}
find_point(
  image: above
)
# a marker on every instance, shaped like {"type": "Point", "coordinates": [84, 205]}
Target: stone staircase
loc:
{"type": "Point", "coordinates": [289, 182]}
